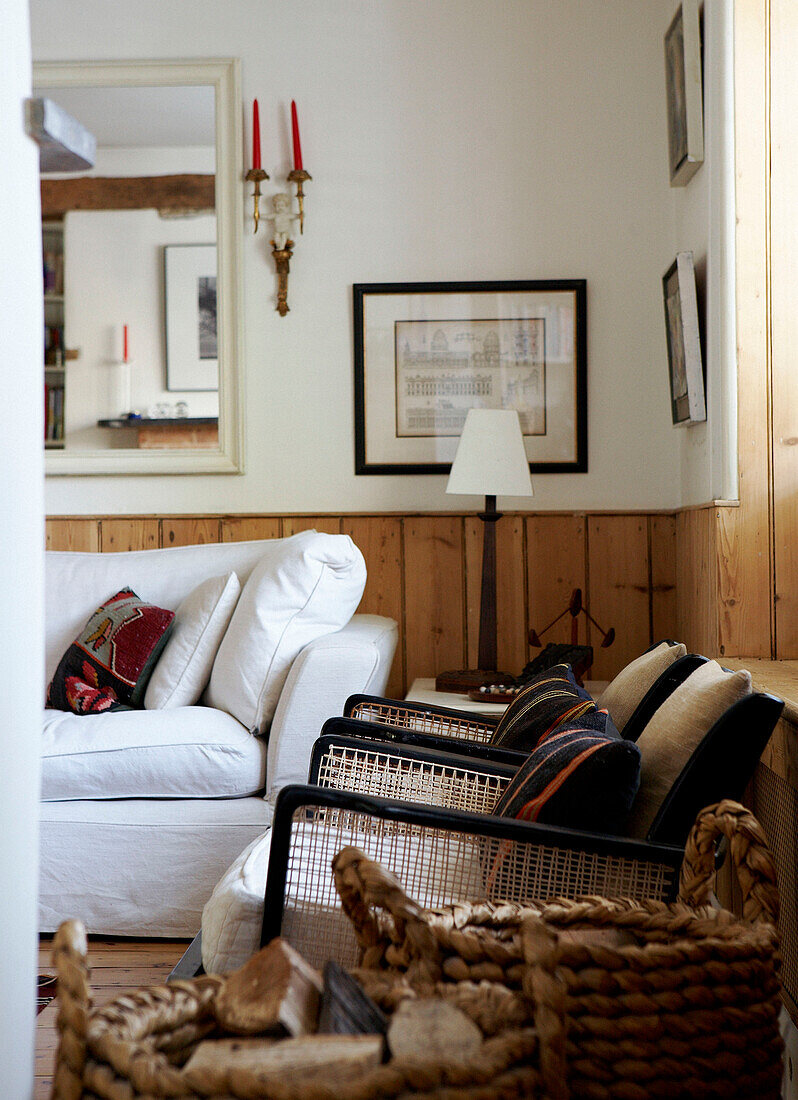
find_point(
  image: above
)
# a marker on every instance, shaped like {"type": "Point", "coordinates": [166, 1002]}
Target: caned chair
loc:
{"type": "Point", "coordinates": [425, 813]}
{"type": "Point", "coordinates": [421, 804]}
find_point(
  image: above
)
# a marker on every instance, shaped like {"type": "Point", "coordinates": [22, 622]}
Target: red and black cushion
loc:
{"type": "Point", "coordinates": [552, 698]}
{"type": "Point", "coordinates": [576, 777]}
{"type": "Point", "coordinates": [108, 665]}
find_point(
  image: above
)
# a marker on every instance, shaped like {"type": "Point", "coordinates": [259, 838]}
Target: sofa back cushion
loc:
{"type": "Point", "coordinates": [76, 583]}
{"type": "Point", "coordinates": [676, 730]}
{"type": "Point", "coordinates": [184, 667]}
{"type": "Point", "coordinates": [302, 588]}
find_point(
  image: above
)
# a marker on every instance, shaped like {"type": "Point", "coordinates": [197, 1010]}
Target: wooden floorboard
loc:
{"type": "Point", "coordinates": [117, 966]}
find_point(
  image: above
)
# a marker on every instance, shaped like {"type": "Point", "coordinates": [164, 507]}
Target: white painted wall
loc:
{"type": "Point", "coordinates": [702, 221]}
{"type": "Point", "coordinates": [448, 139]}
{"type": "Point", "coordinates": [21, 503]}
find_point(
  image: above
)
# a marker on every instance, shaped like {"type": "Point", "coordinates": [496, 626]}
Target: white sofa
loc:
{"type": "Point", "coordinates": [143, 810]}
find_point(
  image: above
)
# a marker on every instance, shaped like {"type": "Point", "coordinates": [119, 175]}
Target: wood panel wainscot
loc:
{"type": "Point", "coordinates": [424, 571]}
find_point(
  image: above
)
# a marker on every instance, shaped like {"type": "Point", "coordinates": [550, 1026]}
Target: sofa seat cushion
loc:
{"type": "Point", "coordinates": [187, 752]}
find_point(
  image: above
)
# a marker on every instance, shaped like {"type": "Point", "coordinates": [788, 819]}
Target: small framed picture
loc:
{"type": "Point", "coordinates": [685, 367]}
{"type": "Point", "coordinates": [684, 92]}
{"type": "Point", "coordinates": [192, 358]}
{"type": "Point", "coordinates": [426, 353]}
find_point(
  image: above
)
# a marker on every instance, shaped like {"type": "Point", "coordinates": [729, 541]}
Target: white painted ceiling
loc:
{"type": "Point", "coordinates": [135, 117]}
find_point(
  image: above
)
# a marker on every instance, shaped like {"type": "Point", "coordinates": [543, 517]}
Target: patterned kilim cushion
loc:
{"type": "Point", "coordinates": [108, 665]}
{"type": "Point", "coordinates": [577, 778]}
{"type": "Point", "coordinates": [551, 698]}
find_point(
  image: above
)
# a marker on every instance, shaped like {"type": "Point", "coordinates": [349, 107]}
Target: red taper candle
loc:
{"type": "Point", "coordinates": [255, 135]}
{"type": "Point", "coordinates": [295, 135]}
{"type": "Point", "coordinates": [124, 343]}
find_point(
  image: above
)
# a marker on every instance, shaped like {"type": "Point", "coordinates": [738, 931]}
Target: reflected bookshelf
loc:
{"type": "Point", "coordinates": [54, 354]}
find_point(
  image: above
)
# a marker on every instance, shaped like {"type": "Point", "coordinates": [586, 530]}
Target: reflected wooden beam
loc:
{"type": "Point", "coordinates": [178, 193]}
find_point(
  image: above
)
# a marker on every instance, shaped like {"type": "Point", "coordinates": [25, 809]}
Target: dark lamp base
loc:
{"type": "Point", "coordinates": [461, 681]}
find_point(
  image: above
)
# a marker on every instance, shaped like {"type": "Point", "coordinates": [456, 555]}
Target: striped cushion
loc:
{"type": "Point", "coordinates": [551, 698]}
{"type": "Point", "coordinates": [577, 778]}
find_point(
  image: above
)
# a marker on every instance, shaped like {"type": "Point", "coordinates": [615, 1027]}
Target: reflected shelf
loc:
{"type": "Point", "coordinates": [172, 433]}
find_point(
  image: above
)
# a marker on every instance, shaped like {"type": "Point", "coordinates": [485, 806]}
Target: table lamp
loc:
{"type": "Point", "coordinates": [490, 461]}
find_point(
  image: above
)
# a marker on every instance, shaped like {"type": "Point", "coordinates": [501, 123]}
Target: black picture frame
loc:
{"type": "Point", "coordinates": [535, 329]}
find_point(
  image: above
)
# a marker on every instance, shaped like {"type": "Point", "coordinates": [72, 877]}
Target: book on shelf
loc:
{"type": "Point", "coordinates": [53, 345]}
{"type": "Point", "coordinates": [53, 413]}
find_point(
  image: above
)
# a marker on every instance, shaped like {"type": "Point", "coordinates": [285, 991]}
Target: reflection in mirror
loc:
{"type": "Point", "coordinates": [141, 317]}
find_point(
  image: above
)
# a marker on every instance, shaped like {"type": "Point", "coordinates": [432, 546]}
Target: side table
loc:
{"type": "Point", "coordinates": [423, 690]}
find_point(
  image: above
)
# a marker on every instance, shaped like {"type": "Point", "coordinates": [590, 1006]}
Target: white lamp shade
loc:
{"type": "Point", "coordinates": [490, 459]}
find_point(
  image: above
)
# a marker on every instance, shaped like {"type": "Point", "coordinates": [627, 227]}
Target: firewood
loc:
{"type": "Point", "coordinates": [214, 1058]}
{"type": "Point", "coordinates": [215, 1064]}
{"type": "Point", "coordinates": [346, 1009]}
{"type": "Point", "coordinates": [432, 1029]}
{"type": "Point", "coordinates": [276, 990]}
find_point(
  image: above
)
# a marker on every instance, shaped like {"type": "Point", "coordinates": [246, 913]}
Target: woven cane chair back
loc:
{"type": "Point", "coordinates": [441, 859]}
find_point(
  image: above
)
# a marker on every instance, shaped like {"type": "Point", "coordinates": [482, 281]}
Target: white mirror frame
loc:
{"type": "Point", "coordinates": [223, 74]}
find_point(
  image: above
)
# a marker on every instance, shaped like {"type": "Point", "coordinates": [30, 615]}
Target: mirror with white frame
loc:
{"type": "Point", "coordinates": [146, 287]}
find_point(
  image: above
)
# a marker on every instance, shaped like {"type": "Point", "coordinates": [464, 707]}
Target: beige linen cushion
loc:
{"type": "Point", "coordinates": [621, 696]}
{"type": "Point", "coordinates": [676, 730]}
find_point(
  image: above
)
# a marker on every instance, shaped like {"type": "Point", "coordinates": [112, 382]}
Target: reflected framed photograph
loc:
{"type": "Point", "coordinates": [685, 365]}
{"type": "Point", "coordinates": [426, 353]}
{"type": "Point", "coordinates": [191, 317]}
{"type": "Point", "coordinates": [684, 93]}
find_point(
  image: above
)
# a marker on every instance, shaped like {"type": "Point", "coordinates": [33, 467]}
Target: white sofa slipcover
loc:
{"type": "Point", "coordinates": [142, 811]}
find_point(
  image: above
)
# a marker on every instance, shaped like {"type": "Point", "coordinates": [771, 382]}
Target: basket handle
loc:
{"type": "Point", "coordinates": [74, 1001]}
{"type": "Point", "coordinates": [363, 886]}
{"type": "Point", "coordinates": [753, 863]}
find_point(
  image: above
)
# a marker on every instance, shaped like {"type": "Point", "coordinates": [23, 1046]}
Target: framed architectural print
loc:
{"type": "Point", "coordinates": [685, 368]}
{"type": "Point", "coordinates": [192, 358]}
{"type": "Point", "coordinates": [426, 353]}
{"type": "Point", "coordinates": [683, 87]}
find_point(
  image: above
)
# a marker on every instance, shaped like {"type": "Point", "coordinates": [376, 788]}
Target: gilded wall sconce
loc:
{"type": "Point", "coordinates": [282, 216]}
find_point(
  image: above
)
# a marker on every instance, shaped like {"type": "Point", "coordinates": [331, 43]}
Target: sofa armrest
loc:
{"type": "Point", "coordinates": [326, 672]}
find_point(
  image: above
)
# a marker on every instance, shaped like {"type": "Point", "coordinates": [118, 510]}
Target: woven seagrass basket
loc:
{"type": "Point", "coordinates": [686, 1005]}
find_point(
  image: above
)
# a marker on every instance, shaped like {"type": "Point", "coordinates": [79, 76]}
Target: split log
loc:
{"type": "Point", "coordinates": [276, 990]}
{"type": "Point", "coordinates": [431, 1029]}
{"type": "Point", "coordinates": [216, 1067]}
